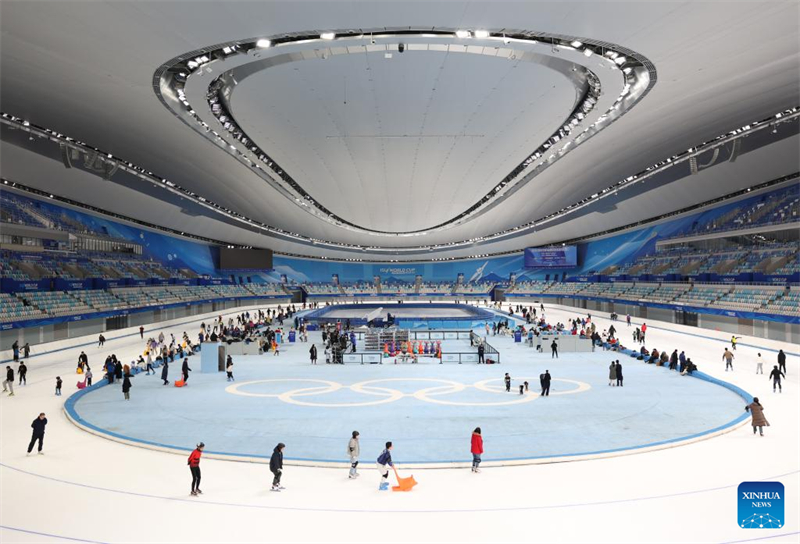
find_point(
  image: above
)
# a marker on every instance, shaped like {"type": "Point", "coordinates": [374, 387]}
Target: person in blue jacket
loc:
{"type": "Point", "coordinates": [384, 462]}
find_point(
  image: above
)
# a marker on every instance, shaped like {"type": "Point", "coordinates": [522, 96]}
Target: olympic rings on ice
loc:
{"type": "Point", "coordinates": [387, 395]}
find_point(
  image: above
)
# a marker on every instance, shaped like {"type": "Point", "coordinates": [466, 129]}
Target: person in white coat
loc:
{"type": "Point", "coordinates": [353, 451]}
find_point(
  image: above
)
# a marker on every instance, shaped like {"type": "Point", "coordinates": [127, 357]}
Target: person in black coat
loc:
{"type": "Point", "coordinates": [544, 379]}
{"type": "Point", "coordinates": [782, 361]}
{"type": "Point", "coordinates": [185, 369]}
{"type": "Point", "coordinates": [276, 466]}
{"type": "Point", "coordinates": [481, 351]}
{"type": "Point", "coordinates": [775, 376]}
{"type": "Point", "coordinates": [554, 347]}
{"type": "Point", "coordinates": [117, 370]}
{"type": "Point", "coordinates": [126, 386]}
{"type": "Point", "coordinates": [38, 426]}
{"type": "Point", "coordinates": [165, 371]}
{"type": "Point", "coordinates": [313, 353]}
{"type": "Point", "coordinates": [673, 360]}
{"type": "Point", "coordinates": [619, 374]}
{"type": "Point", "coordinates": [22, 372]}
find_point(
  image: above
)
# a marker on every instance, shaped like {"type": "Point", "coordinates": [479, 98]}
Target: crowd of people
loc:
{"type": "Point", "coordinates": [338, 339]}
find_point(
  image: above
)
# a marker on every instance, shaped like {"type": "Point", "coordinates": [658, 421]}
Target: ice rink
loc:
{"type": "Point", "coordinates": [90, 489]}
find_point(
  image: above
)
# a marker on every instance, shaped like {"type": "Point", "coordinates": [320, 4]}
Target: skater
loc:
{"type": "Point", "coordinates": [141, 333]}
{"type": "Point", "coordinates": [775, 376]}
{"type": "Point", "coordinates": [782, 361]}
{"type": "Point", "coordinates": [276, 466]}
{"type": "Point", "coordinates": [384, 462]}
{"type": "Point", "coordinates": [150, 363]}
{"type": "Point", "coordinates": [22, 371]}
{"type": "Point", "coordinates": [229, 369]}
{"type": "Point", "coordinates": [526, 386]}
{"type": "Point", "coordinates": [165, 372]}
{"type": "Point", "coordinates": [126, 386]}
{"type": "Point", "coordinates": [733, 341]}
{"type": "Point", "coordinates": [9, 383]}
{"type": "Point", "coordinates": [554, 347]}
{"type": "Point", "coordinates": [612, 374]}
{"type": "Point", "coordinates": [353, 451]}
{"type": "Point", "coordinates": [507, 379]}
{"type": "Point", "coordinates": [759, 365]}
{"type": "Point", "coordinates": [15, 349]}
{"type": "Point", "coordinates": [628, 319]}
{"type": "Point", "coordinates": [544, 379]}
{"type": "Point", "coordinates": [481, 351]}
{"type": "Point", "coordinates": [38, 426]}
{"type": "Point", "coordinates": [26, 350]}
{"type": "Point", "coordinates": [757, 411]}
{"type": "Point", "coordinates": [185, 370]}
{"type": "Point", "coordinates": [728, 358]}
{"type": "Point", "coordinates": [58, 386]}
{"type": "Point", "coordinates": [194, 468]}
{"type": "Point", "coordinates": [619, 374]}
{"type": "Point", "coordinates": [476, 448]}
{"type": "Point", "coordinates": [100, 341]}
{"type": "Point", "coordinates": [313, 354]}
{"type": "Point", "coordinates": [88, 378]}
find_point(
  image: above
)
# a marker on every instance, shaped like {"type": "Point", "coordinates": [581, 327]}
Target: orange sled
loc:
{"type": "Point", "coordinates": [404, 484]}
{"type": "Point", "coordinates": [179, 383]}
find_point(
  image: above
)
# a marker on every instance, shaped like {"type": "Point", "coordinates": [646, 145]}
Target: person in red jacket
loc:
{"type": "Point", "coordinates": [194, 466]}
{"type": "Point", "coordinates": [476, 449]}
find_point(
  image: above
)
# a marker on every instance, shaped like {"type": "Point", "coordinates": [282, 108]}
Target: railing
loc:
{"type": "Point", "coordinates": [375, 357]}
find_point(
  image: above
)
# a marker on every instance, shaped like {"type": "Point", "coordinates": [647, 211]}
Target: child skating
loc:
{"type": "Point", "coordinates": [384, 462]}
{"type": "Point", "coordinates": [353, 451]}
{"type": "Point", "coordinates": [229, 369]}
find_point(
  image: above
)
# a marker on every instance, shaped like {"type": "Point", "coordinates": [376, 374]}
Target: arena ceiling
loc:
{"type": "Point", "coordinates": [386, 149]}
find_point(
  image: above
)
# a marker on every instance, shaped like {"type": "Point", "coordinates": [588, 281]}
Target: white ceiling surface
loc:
{"type": "Point", "coordinates": [402, 143]}
{"type": "Point", "coordinates": [761, 164]}
{"type": "Point", "coordinates": [85, 69]}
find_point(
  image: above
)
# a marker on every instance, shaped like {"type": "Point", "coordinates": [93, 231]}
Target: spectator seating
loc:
{"type": "Point", "coordinates": [14, 309]}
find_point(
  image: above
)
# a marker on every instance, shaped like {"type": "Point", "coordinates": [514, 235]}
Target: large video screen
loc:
{"type": "Point", "coordinates": [551, 257]}
{"type": "Point", "coordinates": [245, 259]}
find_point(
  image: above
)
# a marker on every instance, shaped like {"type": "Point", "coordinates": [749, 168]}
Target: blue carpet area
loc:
{"type": "Point", "coordinates": [582, 415]}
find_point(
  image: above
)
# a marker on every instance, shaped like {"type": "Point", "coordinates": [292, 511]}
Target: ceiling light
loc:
{"type": "Point", "coordinates": [327, 35]}
{"type": "Point", "coordinates": [463, 34]}
{"type": "Point", "coordinates": [620, 60]}
{"type": "Point", "coordinates": [588, 52]}
{"type": "Point", "coordinates": [576, 43]}
{"type": "Point", "coordinates": [263, 43]}
{"type": "Point", "coordinates": [481, 34]}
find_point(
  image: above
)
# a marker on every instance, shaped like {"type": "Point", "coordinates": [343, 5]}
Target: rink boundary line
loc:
{"type": "Point", "coordinates": [362, 511]}
{"type": "Point", "coordinates": [740, 421]}
{"type": "Point", "coordinates": [769, 537]}
{"type": "Point", "coordinates": [49, 535]}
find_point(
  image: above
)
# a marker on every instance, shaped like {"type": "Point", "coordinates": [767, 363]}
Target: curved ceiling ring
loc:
{"type": "Point", "coordinates": [605, 97]}
{"type": "Point", "coordinates": [220, 94]}
{"type": "Point", "coordinates": [791, 115]}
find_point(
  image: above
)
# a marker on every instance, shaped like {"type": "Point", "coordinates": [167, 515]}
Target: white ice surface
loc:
{"type": "Point", "coordinates": [87, 488]}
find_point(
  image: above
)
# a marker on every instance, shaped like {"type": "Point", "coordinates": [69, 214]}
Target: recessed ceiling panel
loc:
{"type": "Point", "coordinates": [420, 135]}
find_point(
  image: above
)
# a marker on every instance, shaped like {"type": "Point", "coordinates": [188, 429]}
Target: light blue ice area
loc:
{"type": "Point", "coordinates": [656, 405]}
